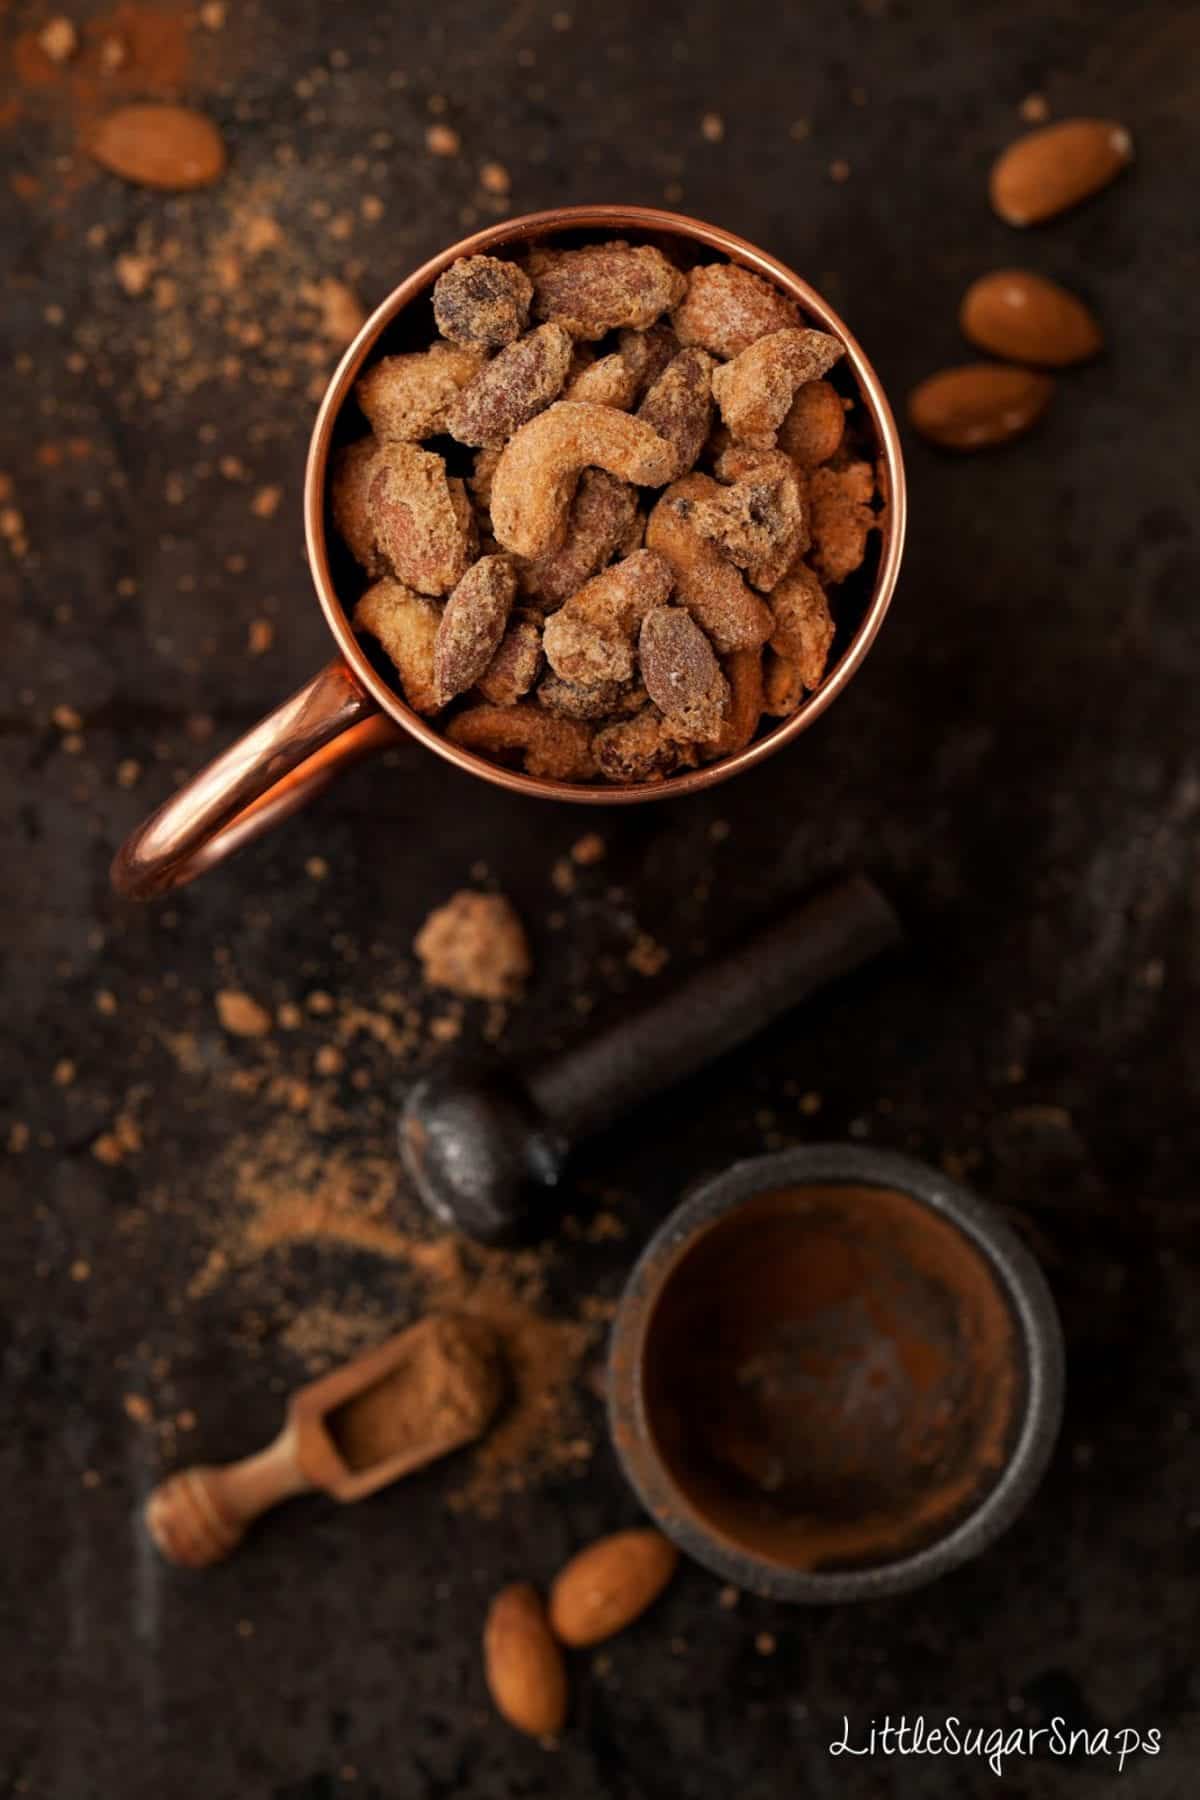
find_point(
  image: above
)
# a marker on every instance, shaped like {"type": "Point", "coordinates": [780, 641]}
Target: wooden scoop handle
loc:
{"type": "Point", "coordinates": [197, 1516]}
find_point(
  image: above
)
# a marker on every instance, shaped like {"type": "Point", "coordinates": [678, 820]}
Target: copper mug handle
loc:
{"type": "Point", "coordinates": [275, 769]}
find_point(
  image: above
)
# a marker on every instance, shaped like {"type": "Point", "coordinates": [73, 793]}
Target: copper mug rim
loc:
{"type": "Point", "coordinates": [348, 710]}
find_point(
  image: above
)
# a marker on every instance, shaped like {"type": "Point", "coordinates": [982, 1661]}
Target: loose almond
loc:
{"type": "Point", "coordinates": [978, 405]}
{"type": "Point", "coordinates": [1017, 314]}
{"type": "Point", "coordinates": [608, 1585]}
{"type": "Point", "coordinates": [1047, 171]}
{"type": "Point", "coordinates": [159, 146]}
{"type": "Point", "coordinates": [524, 1667]}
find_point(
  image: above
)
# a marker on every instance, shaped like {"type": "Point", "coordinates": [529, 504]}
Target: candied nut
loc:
{"type": "Point", "coordinates": [422, 518]}
{"type": "Point", "coordinates": [590, 638]}
{"type": "Point", "coordinates": [475, 945]}
{"type": "Point", "coordinates": [840, 517]}
{"type": "Point", "coordinates": [761, 521]}
{"type": "Point", "coordinates": [607, 700]}
{"type": "Point", "coordinates": [713, 591]}
{"type": "Point", "coordinates": [512, 388]}
{"type": "Point", "coordinates": [744, 673]}
{"type": "Point", "coordinates": [407, 398]}
{"type": "Point", "coordinates": [679, 405]}
{"type": "Point", "coordinates": [482, 302]}
{"type": "Point", "coordinates": [406, 626]}
{"type": "Point", "coordinates": [647, 353]}
{"type": "Point", "coordinates": [516, 664]}
{"type": "Point", "coordinates": [640, 749]}
{"type": "Point", "coordinates": [349, 486]}
{"type": "Point", "coordinates": [755, 390]}
{"type": "Point", "coordinates": [559, 749]}
{"type": "Point", "coordinates": [537, 472]}
{"type": "Point", "coordinates": [803, 633]}
{"type": "Point", "coordinates": [472, 625]}
{"type": "Point", "coordinates": [682, 676]}
{"type": "Point", "coordinates": [727, 309]}
{"type": "Point", "coordinates": [603, 286]}
{"type": "Point", "coordinates": [608, 381]}
{"type": "Point", "coordinates": [814, 425]}
{"type": "Point", "coordinates": [603, 519]}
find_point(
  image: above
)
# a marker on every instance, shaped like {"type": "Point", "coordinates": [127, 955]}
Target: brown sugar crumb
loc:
{"type": "Point", "coordinates": [588, 850]}
{"type": "Point", "coordinates": [241, 1015]}
{"type": "Point", "coordinates": [265, 503]}
{"type": "Point", "coordinates": [647, 957]}
{"type": "Point", "coordinates": [494, 178]}
{"type": "Point", "coordinates": [1035, 109]}
{"type": "Point", "coordinates": [260, 635]}
{"type": "Point", "coordinates": [137, 1408]}
{"type": "Point", "coordinates": [475, 946]}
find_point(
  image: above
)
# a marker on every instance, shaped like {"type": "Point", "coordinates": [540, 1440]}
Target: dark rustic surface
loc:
{"type": "Point", "coordinates": [1015, 764]}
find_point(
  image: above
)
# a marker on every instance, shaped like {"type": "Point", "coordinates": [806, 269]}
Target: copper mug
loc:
{"type": "Point", "coordinates": [348, 710]}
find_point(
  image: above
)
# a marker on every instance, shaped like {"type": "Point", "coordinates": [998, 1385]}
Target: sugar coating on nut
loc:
{"type": "Point", "coordinates": [472, 625]}
{"type": "Point", "coordinates": [482, 302]}
{"type": "Point", "coordinates": [647, 353]}
{"type": "Point", "coordinates": [422, 518]}
{"type": "Point", "coordinates": [407, 398]}
{"type": "Point", "coordinates": [682, 676]}
{"type": "Point", "coordinates": [516, 665]}
{"type": "Point", "coordinates": [556, 748]}
{"type": "Point", "coordinates": [841, 517]}
{"type": "Point", "coordinates": [406, 626]}
{"type": "Point", "coordinates": [606, 700]}
{"type": "Point", "coordinates": [802, 637]}
{"type": "Point", "coordinates": [475, 945]}
{"type": "Point", "coordinates": [814, 425]}
{"type": "Point", "coordinates": [608, 380]}
{"type": "Point", "coordinates": [760, 520]}
{"type": "Point", "coordinates": [679, 405]}
{"type": "Point", "coordinates": [727, 309]}
{"type": "Point", "coordinates": [640, 749]}
{"type": "Point", "coordinates": [755, 390]}
{"type": "Point", "coordinates": [515, 385]}
{"type": "Point", "coordinates": [743, 671]}
{"type": "Point", "coordinates": [707, 583]}
{"type": "Point", "coordinates": [349, 486]}
{"type": "Point", "coordinates": [590, 639]}
{"type": "Point", "coordinates": [603, 518]}
{"type": "Point", "coordinates": [603, 286]}
{"type": "Point", "coordinates": [536, 475]}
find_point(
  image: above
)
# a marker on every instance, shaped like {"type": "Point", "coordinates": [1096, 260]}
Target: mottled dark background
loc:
{"type": "Point", "coordinates": [1016, 764]}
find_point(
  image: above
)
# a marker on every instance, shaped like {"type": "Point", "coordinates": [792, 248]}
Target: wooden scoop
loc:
{"type": "Point", "coordinates": [421, 1395]}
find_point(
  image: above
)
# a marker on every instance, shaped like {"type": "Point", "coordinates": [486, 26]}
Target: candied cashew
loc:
{"type": "Point", "coordinates": [744, 673]}
{"type": "Point", "coordinates": [841, 517]}
{"type": "Point", "coordinates": [814, 425]}
{"type": "Point", "coordinates": [801, 640]}
{"type": "Point", "coordinates": [516, 665]}
{"type": "Point", "coordinates": [349, 485]}
{"type": "Point", "coordinates": [727, 309]}
{"type": "Point", "coordinates": [560, 749]}
{"type": "Point", "coordinates": [590, 639]}
{"type": "Point", "coordinates": [761, 520]}
{"type": "Point", "coordinates": [405, 625]}
{"type": "Point", "coordinates": [422, 518]}
{"type": "Point", "coordinates": [607, 700]}
{"type": "Point", "coordinates": [756, 389]}
{"type": "Point", "coordinates": [726, 610]}
{"type": "Point", "coordinates": [682, 676]}
{"type": "Point", "coordinates": [482, 302]}
{"type": "Point", "coordinates": [536, 474]}
{"type": "Point", "coordinates": [640, 749]}
{"type": "Point", "coordinates": [647, 353]}
{"type": "Point", "coordinates": [603, 286]}
{"type": "Point", "coordinates": [609, 381]}
{"type": "Point", "coordinates": [408, 397]}
{"type": "Point", "coordinates": [603, 519]}
{"type": "Point", "coordinates": [512, 388]}
{"type": "Point", "coordinates": [679, 405]}
{"type": "Point", "coordinates": [472, 625]}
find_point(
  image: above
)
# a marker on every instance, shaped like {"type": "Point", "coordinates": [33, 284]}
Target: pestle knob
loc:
{"type": "Point", "coordinates": [486, 1148]}
{"type": "Point", "coordinates": [198, 1516]}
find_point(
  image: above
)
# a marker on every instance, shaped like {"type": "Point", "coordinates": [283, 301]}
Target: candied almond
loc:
{"type": "Point", "coordinates": [682, 676]}
{"type": "Point", "coordinates": [756, 389]}
{"type": "Point", "coordinates": [1047, 171]}
{"type": "Point", "coordinates": [727, 309]}
{"type": "Point", "coordinates": [589, 639]}
{"type": "Point", "coordinates": [536, 475]}
{"type": "Point", "coordinates": [602, 519]}
{"type": "Point", "coordinates": [601, 287]}
{"type": "Point", "coordinates": [977, 405]}
{"type": "Point", "coordinates": [707, 583]}
{"type": "Point", "coordinates": [557, 748]}
{"type": "Point", "coordinates": [840, 517]}
{"type": "Point", "coordinates": [743, 670]}
{"type": "Point", "coordinates": [516, 665]}
{"type": "Point", "coordinates": [472, 625]}
{"type": "Point", "coordinates": [761, 520]}
{"type": "Point", "coordinates": [679, 405]}
{"type": "Point", "coordinates": [349, 486]}
{"type": "Point", "coordinates": [422, 518]}
{"type": "Point", "coordinates": [607, 380]}
{"type": "Point", "coordinates": [406, 627]}
{"type": "Point", "coordinates": [814, 425]}
{"type": "Point", "coordinates": [1026, 318]}
{"type": "Point", "coordinates": [482, 302]}
{"type": "Point", "coordinates": [512, 388]}
{"type": "Point", "coordinates": [647, 353]}
{"type": "Point", "coordinates": [639, 749]}
{"type": "Point", "coordinates": [408, 397]}
{"type": "Point", "coordinates": [803, 633]}
{"type": "Point", "coordinates": [606, 700]}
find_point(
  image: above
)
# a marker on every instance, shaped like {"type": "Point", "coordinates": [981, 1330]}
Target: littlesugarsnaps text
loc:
{"type": "Point", "coordinates": [994, 1744]}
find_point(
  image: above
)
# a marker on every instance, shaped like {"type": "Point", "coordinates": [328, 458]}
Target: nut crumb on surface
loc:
{"type": "Point", "coordinates": [59, 40]}
{"type": "Point", "coordinates": [442, 140]}
{"type": "Point", "coordinates": [475, 945]}
{"type": "Point", "coordinates": [241, 1015]}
